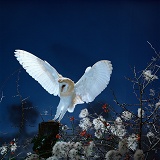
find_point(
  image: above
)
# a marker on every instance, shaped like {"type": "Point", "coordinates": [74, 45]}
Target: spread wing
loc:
{"type": "Point", "coordinates": [40, 70]}
{"type": "Point", "coordinates": [94, 81]}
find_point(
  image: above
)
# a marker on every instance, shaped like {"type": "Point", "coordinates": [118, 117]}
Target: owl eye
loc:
{"type": "Point", "coordinates": [63, 86]}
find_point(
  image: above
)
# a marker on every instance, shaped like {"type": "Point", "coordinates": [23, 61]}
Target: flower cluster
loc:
{"type": "Point", "coordinates": [99, 123]}
{"type": "Point", "coordinates": [101, 126]}
{"type": "Point", "coordinates": [149, 76]}
{"type": "Point", "coordinates": [3, 149]}
{"type": "Point", "coordinates": [6, 148]}
{"type": "Point", "coordinates": [31, 156]}
{"type": "Point", "coordinates": [71, 150]}
{"type": "Point", "coordinates": [118, 129]}
{"type": "Point", "coordinates": [85, 123]}
{"type": "Point", "coordinates": [13, 146]}
{"type": "Point", "coordinates": [132, 142]}
{"type": "Point", "coordinates": [117, 154]}
{"type": "Point", "coordinates": [84, 113]}
{"type": "Point", "coordinates": [101, 130]}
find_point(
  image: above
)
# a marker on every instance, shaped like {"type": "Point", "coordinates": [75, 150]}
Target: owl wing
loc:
{"type": "Point", "coordinates": [40, 70]}
{"type": "Point", "coordinates": [94, 81]}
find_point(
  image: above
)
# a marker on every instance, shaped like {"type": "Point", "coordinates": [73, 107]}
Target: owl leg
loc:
{"type": "Point", "coordinates": [71, 108]}
{"type": "Point", "coordinates": [63, 111]}
{"type": "Point", "coordinates": [58, 112]}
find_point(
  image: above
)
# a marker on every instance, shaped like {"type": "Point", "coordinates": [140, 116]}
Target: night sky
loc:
{"type": "Point", "coordinates": [71, 35]}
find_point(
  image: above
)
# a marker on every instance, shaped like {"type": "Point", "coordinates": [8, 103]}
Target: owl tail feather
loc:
{"type": "Point", "coordinates": [61, 110]}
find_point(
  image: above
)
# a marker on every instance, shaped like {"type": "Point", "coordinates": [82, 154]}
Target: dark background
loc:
{"type": "Point", "coordinates": [71, 35]}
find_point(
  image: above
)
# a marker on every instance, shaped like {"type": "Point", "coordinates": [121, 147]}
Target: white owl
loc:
{"type": "Point", "coordinates": [89, 86]}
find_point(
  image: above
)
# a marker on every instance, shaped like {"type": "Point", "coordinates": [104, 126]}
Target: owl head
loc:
{"type": "Point", "coordinates": [66, 86]}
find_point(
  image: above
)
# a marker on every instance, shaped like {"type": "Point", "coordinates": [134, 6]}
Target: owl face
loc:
{"type": "Point", "coordinates": [66, 86]}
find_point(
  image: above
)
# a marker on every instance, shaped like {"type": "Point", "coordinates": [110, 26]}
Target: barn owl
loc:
{"type": "Point", "coordinates": [89, 86]}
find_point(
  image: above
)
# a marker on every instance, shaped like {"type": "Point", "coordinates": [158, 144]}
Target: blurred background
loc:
{"type": "Point", "coordinates": [71, 35]}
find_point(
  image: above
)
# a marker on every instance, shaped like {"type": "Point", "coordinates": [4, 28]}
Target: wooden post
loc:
{"type": "Point", "coordinates": [46, 139]}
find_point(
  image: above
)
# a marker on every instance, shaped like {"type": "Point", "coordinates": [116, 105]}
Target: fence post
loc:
{"type": "Point", "coordinates": [46, 138]}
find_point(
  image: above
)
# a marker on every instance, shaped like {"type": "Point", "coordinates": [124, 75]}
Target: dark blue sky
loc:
{"type": "Point", "coordinates": [72, 35]}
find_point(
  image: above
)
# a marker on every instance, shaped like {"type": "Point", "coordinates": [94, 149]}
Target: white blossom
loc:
{"type": "Point", "coordinates": [98, 134]}
{"type": "Point", "coordinates": [123, 146]}
{"type": "Point", "coordinates": [52, 158]}
{"type": "Point", "coordinates": [3, 149]}
{"type": "Point", "coordinates": [78, 145]}
{"type": "Point", "coordinates": [118, 121]}
{"type": "Point", "coordinates": [71, 144]}
{"type": "Point", "coordinates": [83, 113]}
{"type": "Point", "coordinates": [153, 59]}
{"type": "Point", "coordinates": [85, 123]}
{"type": "Point", "coordinates": [13, 147]}
{"type": "Point", "coordinates": [150, 134]}
{"type": "Point", "coordinates": [132, 142]}
{"type": "Point", "coordinates": [113, 155]}
{"type": "Point", "coordinates": [152, 92]}
{"type": "Point", "coordinates": [65, 127]}
{"type": "Point", "coordinates": [33, 157]}
{"type": "Point", "coordinates": [96, 156]}
{"type": "Point", "coordinates": [151, 105]}
{"type": "Point", "coordinates": [126, 115]}
{"type": "Point", "coordinates": [29, 153]}
{"type": "Point", "coordinates": [98, 123]}
{"type": "Point", "coordinates": [60, 149]}
{"type": "Point", "coordinates": [73, 154]}
{"type": "Point", "coordinates": [139, 113]}
{"type": "Point", "coordinates": [89, 149]}
{"type": "Point", "coordinates": [45, 113]}
{"type": "Point", "coordinates": [157, 104]}
{"type": "Point", "coordinates": [139, 155]}
{"type": "Point", "coordinates": [118, 129]}
{"type": "Point", "coordinates": [148, 75]}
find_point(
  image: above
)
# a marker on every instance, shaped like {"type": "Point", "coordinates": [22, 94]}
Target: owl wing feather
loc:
{"type": "Point", "coordinates": [94, 81]}
{"type": "Point", "coordinates": [40, 70]}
